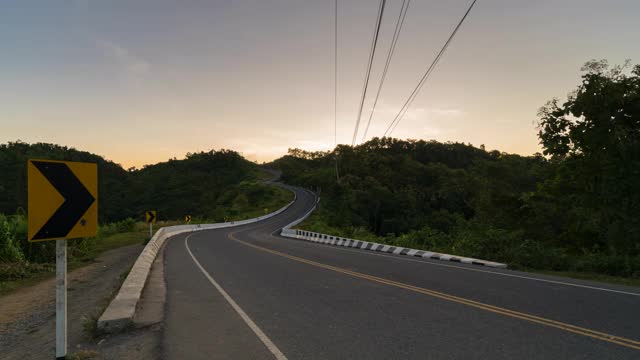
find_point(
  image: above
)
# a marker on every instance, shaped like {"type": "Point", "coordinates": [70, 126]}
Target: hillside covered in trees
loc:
{"type": "Point", "coordinates": [576, 207]}
{"type": "Point", "coordinates": [211, 185]}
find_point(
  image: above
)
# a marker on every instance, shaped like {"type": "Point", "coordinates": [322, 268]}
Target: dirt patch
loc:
{"type": "Point", "coordinates": [27, 316]}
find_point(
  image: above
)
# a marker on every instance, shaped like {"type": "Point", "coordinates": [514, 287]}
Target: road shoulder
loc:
{"type": "Point", "coordinates": [27, 320]}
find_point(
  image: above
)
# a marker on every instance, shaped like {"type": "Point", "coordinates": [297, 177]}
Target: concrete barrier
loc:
{"type": "Point", "coordinates": [119, 314]}
{"type": "Point", "coordinates": [397, 250]}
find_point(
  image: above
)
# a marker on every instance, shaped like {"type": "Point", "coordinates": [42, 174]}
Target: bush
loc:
{"type": "Point", "coordinates": [614, 265]}
{"type": "Point", "coordinates": [9, 244]}
{"type": "Point", "coordinates": [425, 238]}
{"type": "Point", "coordinates": [126, 225]}
{"type": "Point", "coordinates": [81, 248]}
{"type": "Point", "coordinates": [534, 255]}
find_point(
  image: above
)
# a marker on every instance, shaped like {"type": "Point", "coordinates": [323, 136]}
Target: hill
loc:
{"type": "Point", "coordinates": [213, 185]}
{"type": "Point", "coordinates": [456, 198]}
{"type": "Point", "coordinates": [573, 208]}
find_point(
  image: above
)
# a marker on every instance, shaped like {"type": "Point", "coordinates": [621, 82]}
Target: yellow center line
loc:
{"type": "Point", "coordinates": [629, 343]}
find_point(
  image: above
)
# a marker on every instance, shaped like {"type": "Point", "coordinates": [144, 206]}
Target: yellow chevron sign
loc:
{"type": "Point", "coordinates": [63, 200]}
{"type": "Point", "coordinates": [151, 216]}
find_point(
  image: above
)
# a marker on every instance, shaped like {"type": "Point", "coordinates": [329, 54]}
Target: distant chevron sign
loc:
{"type": "Point", "coordinates": [63, 200]}
{"type": "Point", "coordinates": [151, 216]}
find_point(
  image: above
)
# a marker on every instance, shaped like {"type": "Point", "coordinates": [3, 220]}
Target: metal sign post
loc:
{"type": "Point", "coordinates": [151, 217]}
{"type": "Point", "coordinates": [61, 299]}
{"type": "Point", "coordinates": [63, 204]}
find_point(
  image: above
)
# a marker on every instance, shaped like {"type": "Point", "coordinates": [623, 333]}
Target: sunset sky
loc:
{"type": "Point", "coordinates": [143, 81]}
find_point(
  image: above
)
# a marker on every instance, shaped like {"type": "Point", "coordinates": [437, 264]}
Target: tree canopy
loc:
{"type": "Point", "coordinates": [575, 206]}
{"type": "Point", "coordinates": [204, 184]}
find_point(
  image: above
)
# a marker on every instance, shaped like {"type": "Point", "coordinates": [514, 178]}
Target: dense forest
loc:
{"type": "Point", "coordinates": [211, 185]}
{"type": "Point", "coordinates": [574, 207]}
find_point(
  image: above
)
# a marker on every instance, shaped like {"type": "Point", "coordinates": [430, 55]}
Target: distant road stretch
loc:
{"type": "Point", "coordinates": [247, 293]}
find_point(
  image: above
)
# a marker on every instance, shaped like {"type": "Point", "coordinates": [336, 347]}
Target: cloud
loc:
{"type": "Point", "coordinates": [446, 112]}
{"type": "Point", "coordinates": [417, 113]}
{"type": "Point", "coordinates": [417, 122]}
{"type": "Point", "coordinates": [133, 67]}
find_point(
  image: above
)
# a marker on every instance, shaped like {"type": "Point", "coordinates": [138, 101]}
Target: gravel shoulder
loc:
{"type": "Point", "coordinates": [27, 316]}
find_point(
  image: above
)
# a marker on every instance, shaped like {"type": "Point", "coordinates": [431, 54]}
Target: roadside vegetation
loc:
{"type": "Point", "coordinates": [207, 185]}
{"type": "Point", "coordinates": [23, 263]}
{"type": "Point", "coordinates": [214, 186]}
{"type": "Point", "coordinates": [572, 209]}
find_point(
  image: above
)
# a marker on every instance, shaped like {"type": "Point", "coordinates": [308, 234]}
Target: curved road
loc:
{"type": "Point", "coordinates": [247, 293]}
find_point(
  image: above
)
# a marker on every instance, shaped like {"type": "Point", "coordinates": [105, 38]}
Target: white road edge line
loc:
{"type": "Point", "coordinates": [259, 333]}
{"type": "Point", "coordinates": [484, 271]}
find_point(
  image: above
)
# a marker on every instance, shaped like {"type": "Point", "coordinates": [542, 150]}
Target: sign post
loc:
{"type": "Point", "coordinates": [151, 217]}
{"type": "Point", "coordinates": [63, 204]}
{"type": "Point", "coordinates": [61, 299]}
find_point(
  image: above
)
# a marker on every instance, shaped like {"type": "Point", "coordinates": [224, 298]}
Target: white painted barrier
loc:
{"type": "Point", "coordinates": [119, 314]}
{"type": "Point", "coordinates": [397, 250]}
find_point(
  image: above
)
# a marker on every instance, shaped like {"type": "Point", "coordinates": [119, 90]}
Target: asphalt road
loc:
{"type": "Point", "coordinates": [246, 293]}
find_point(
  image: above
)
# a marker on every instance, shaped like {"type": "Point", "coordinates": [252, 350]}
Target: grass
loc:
{"type": "Point", "coordinates": [31, 276]}
{"type": "Point", "coordinates": [90, 322]}
{"type": "Point", "coordinates": [279, 198]}
{"type": "Point", "coordinates": [109, 243]}
{"type": "Point", "coordinates": [263, 175]}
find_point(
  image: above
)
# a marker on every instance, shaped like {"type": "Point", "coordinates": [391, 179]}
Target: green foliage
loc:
{"type": "Point", "coordinates": [112, 178]}
{"type": "Point", "coordinates": [575, 210]}
{"type": "Point", "coordinates": [195, 186]}
{"type": "Point", "coordinates": [126, 225]}
{"type": "Point", "coordinates": [9, 244]}
{"type": "Point", "coordinates": [36, 259]}
{"type": "Point", "coordinates": [210, 186]}
{"type": "Point", "coordinates": [592, 199]}
{"type": "Point", "coordinates": [174, 188]}
{"type": "Point", "coordinates": [250, 199]}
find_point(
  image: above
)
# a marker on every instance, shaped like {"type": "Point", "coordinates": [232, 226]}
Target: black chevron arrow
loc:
{"type": "Point", "coordinates": [151, 216]}
{"type": "Point", "coordinates": [77, 200]}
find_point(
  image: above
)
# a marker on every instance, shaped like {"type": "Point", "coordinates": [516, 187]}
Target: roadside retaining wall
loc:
{"type": "Point", "coordinates": [119, 314]}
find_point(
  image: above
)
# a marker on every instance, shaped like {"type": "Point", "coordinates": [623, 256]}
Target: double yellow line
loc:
{"type": "Point", "coordinates": [633, 344]}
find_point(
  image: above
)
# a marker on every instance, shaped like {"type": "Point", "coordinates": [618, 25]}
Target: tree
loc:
{"type": "Point", "coordinates": [596, 134]}
{"type": "Point", "coordinates": [601, 118]}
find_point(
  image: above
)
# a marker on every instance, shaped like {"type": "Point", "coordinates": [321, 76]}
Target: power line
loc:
{"type": "Point", "coordinates": [392, 47]}
{"type": "Point", "coordinates": [372, 53]}
{"type": "Point", "coordinates": [335, 85]}
{"type": "Point", "coordinates": [422, 81]}
{"type": "Point", "coordinates": [335, 74]}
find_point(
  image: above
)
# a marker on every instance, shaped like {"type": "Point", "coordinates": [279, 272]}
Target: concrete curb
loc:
{"type": "Point", "coordinates": [365, 245]}
{"type": "Point", "coordinates": [120, 312]}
